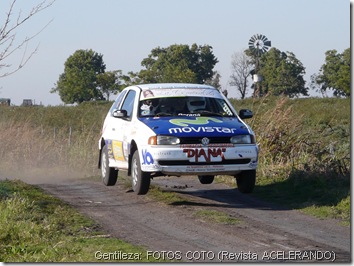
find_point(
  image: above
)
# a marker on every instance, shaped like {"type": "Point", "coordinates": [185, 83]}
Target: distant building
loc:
{"type": "Point", "coordinates": [5, 101]}
{"type": "Point", "coordinates": [27, 102]}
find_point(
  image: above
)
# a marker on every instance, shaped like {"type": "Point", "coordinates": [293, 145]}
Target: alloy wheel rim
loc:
{"type": "Point", "coordinates": [103, 165]}
{"type": "Point", "coordinates": [135, 173]}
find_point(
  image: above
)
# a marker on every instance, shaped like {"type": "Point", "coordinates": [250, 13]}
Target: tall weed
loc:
{"type": "Point", "coordinates": [304, 156]}
{"type": "Point", "coordinates": [50, 141]}
{"type": "Point", "coordinates": [293, 134]}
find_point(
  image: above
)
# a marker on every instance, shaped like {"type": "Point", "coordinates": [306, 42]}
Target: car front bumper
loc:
{"type": "Point", "coordinates": [216, 159]}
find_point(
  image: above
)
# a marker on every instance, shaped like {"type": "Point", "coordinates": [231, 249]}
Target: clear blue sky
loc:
{"type": "Point", "coordinates": [125, 31]}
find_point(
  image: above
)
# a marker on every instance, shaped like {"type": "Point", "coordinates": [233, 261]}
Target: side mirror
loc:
{"type": "Point", "coordinates": [120, 113]}
{"type": "Point", "coordinates": [245, 114]}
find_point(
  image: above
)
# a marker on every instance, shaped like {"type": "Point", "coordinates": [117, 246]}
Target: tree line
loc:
{"type": "Point", "coordinates": [85, 77]}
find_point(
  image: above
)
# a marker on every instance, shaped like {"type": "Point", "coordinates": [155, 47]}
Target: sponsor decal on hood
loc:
{"type": "Point", "coordinates": [196, 126]}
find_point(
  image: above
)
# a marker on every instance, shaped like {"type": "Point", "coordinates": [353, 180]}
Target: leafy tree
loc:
{"type": "Point", "coordinates": [179, 63]}
{"type": "Point", "coordinates": [215, 82]}
{"type": "Point", "coordinates": [241, 66]}
{"type": "Point", "coordinates": [78, 83]}
{"type": "Point", "coordinates": [282, 73]}
{"type": "Point", "coordinates": [131, 79]}
{"type": "Point", "coordinates": [334, 74]}
{"type": "Point", "coordinates": [109, 82]}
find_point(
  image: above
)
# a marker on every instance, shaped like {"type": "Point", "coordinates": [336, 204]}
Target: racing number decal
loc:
{"type": "Point", "coordinates": [147, 157]}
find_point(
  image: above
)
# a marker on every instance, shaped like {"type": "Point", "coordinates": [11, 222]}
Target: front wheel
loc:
{"type": "Point", "coordinates": [206, 179]}
{"type": "Point", "coordinates": [140, 179]}
{"type": "Point", "coordinates": [246, 181]}
{"type": "Point", "coordinates": [109, 174]}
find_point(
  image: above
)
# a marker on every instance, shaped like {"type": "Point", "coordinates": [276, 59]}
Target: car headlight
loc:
{"type": "Point", "coordinates": [242, 139]}
{"type": "Point", "coordinates": [164, 140]}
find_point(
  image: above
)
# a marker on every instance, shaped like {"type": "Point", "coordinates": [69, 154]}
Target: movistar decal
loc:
{"type": "Point", "coordinates": [200, 120]}
{"type": "Point", "coordinates": [186, 126]}
{"type": "Point", "coordinates": [201, 129]}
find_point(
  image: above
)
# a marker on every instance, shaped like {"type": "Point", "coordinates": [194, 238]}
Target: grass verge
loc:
{"type": "Point", "coordinates": [217, 217]}
{"type": "Point", "coordinates": [320, 196]}
{"type": "Point", "coordinates": [36, 227]}
{"type": "Point", "coordinates": [206, 215]}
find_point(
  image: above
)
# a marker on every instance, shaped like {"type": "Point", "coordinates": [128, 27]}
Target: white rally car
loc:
{"type": "Point", "coordinates": [176, 129]}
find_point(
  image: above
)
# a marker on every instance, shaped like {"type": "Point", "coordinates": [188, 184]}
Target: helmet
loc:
{"type": "Point", "coordinates": [196, 103]}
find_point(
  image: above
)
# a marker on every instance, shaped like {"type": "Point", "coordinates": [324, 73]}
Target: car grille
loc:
{"type": "Point", "coordinates": [198, 140]}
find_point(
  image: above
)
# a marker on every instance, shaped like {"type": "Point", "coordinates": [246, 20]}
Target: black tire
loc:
{"type": "Point", "coordinates": [109, 174]}
{"type": "Point", "coordinates": [140, 179]}
{"type": "Point", "coordinates": [246, 181]}
{"type": "Point", "coordinates": [206, 179]}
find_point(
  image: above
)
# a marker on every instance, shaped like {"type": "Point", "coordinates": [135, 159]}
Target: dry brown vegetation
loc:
{"type": "Point", "coordinates": [46, 143]}
{"type": "Point", "coordinates": [304, 158]}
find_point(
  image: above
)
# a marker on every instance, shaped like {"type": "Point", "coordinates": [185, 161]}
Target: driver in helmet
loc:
{"type": "Point", "coordinates": [196, 104]}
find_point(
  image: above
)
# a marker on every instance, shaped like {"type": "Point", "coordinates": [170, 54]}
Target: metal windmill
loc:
{"type": "Point", "coordinates": [258, 45]}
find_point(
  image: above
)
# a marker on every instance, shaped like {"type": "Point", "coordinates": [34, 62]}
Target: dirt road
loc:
{"type": "Point", "coordinates": [266, 233]}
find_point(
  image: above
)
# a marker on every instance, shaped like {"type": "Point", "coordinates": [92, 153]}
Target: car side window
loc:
{"type": "Point", "coordinates": [128, 103]}
{"type": "Point", "coordinates": [118, 101]}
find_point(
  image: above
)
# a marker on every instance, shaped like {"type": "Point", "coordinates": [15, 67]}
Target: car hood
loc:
{"type": "Point", "coordinates": [196, 126]}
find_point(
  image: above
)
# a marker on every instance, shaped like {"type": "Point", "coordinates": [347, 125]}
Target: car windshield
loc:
{"type": "Point", "coordinates": [184, 106]}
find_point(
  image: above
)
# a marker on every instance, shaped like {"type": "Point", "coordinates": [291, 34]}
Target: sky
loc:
{"type": "Point", "coordinates": [125, 32]}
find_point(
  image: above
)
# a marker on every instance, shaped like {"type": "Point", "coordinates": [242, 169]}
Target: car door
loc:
{"type": "Point", "coordinates": [117, 129]}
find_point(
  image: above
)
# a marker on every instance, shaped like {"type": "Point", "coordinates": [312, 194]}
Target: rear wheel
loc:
{"type": "Point", "coordinates": [246, 181]}
{"type": "Point", "coordinates": [109, 174]}
{"type": "Point", "coordinates": [206, 179]}
{"type": "Point", "coordinates": [140, 179]}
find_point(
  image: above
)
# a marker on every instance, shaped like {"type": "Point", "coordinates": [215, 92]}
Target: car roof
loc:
{"type": "Point", "coordinates": [174, 86]}
{"type": "Point", "coordinates": [162, 90]}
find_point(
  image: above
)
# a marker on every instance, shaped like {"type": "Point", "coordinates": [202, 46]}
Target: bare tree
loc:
{"type": "Point", "coordinates": [9, 45]}
{"type": "Point", "coordinates": [241, 67]}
